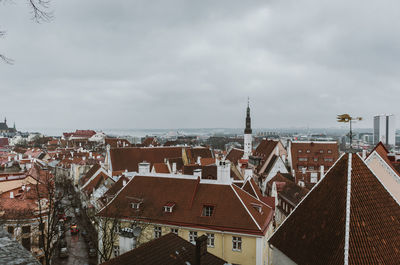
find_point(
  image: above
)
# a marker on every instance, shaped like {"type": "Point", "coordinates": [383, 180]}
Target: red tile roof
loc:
{"type": "Point", "coordinates": [170, 249]}
{"type": "Point", "coordinates": [89, 174]}
{"type": "Point", "coordinates": [233, 209]}
{"type": "Point", "coordinates": [311, 151]}
{"type": "Point", "coordinates": [265, 148]}
{"type": "Point", "coordinates": [234, 155]}
{"type": "Point", "coordinates": [315, 232]}
{"type": "Point", "coordinates": [161, 168]}
{"type": "Point", "coordinates": [129, 158]}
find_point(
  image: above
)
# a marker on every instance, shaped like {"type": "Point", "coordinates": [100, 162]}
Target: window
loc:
{"type": "Point", "coordinates": [116, 251]}
{"type": "Point", "coordinates": [328, 159]}
{"type": "Point", "coordinates": [315, 159]}
{"type": "Point", "coordinates": [26, 243]}
{"type": "Point", "coordinates": [26, 229]}
{"type": "Point", "coordinates": [192, 237]}
{"type": "Point", "coordinates": [168, 207]}
{"type": "Point", "coordinates": [236, 243]}
{"type": "Point", "coordinates": [208, 210]}
{"type": "Point", "coordinates": [299, 151]}
{"type": "Point", "coordinates": [303, 159]}
{"type": "Point", "coordinates": [308, 151]}
{"type": "Point", "coordinates": [210, 240]}
{"type": "Point", "coordinates": [321, 151]}
{"type": "Point", "coordinates": [157, 232]}
{"type": "Point", "coordinates": [314, 178]}
{"type": "Point", "coordinates": [174, 230]}
{"type": "Point", "coordinates": [10, 230]}
{"type": "Point", "coordinates": [310, 168]}
{"type": "Point", "coordinates": [257, 207]}
{"type": "Point", "coordinates": [135, 205]}
{"type": "Point", "coordinates": [329, 151]}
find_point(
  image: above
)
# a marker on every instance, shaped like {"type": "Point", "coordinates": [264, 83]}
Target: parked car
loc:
{"type": "Point", "coordinates": [74, 228]}
{"type": "Point", "coordinates": [63, 253]}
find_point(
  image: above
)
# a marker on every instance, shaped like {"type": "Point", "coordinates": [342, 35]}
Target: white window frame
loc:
{"type": "Point", "coordinates": [168, 209]}
{"type": "Point", "coordinates": [116, 251]}
{"type": "Point", "coordinates": [157, 232]}
{"type": "Point", "coordinates": [236, 243]}
{"type": "Point", "coordinates": [175, 231]}
{"type": "Point", "coordinates": [208, 210]}
{"type": "Point", "coordinates": [210, 240]}
{"type": "Point", "coordinates": [192, 237]}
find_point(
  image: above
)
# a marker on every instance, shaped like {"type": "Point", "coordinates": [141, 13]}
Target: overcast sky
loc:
{"type": "Point", "coordinates": [192, 64]}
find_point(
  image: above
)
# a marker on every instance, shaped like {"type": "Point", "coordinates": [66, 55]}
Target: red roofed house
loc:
{"type": "Point", "coordinates": [236, 223]}
{"type": "Point", "coordinates": [310, 160]}
{"type": "Point", "coordinates": [349, 217]}
{"type": "Point", "coordinates": [286, 194]}
{"type": "Point", "coordinates": [380, 161]}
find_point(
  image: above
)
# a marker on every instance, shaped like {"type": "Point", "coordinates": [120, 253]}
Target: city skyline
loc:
{"type": "Point", "coordinates": [178, 64]}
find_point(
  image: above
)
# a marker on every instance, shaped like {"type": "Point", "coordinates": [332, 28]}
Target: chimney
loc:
{"type": "Point", "coordinates": [83, 158]}
{"type": "Point", "coordinates": [303, 170]}
{"type": "Point", "coordinates": [197, 173]}
{"type": "Point", "coordinates": [174, 168]}
{"type": "Point", "coordinates": [224, 172]}
{"type": "Point", "coordinates": [144, 168]}
{"type": "Point", "coordinates": [248, 173]}
{"type": "Point", "coordinates": [199, 160]}
{"type": "Point", "coordinates": [90, 154]}
{"type": "Point", "coordinates": [321, 169]}
{"type": "Point", "coordinates": [123, 182]}
{"type": "Point", "coordinates": [364, 154]}
{"type": "Point", "coordinates": [9, 159]}
{"type": "Point", "coordinates": [201, 249]}
{"type": "Point", "coordinates": [72, 154]}
{"type": "Point", "coordinates": [11, 195]}
{"type": "Point", "coordinates": [20, 157]}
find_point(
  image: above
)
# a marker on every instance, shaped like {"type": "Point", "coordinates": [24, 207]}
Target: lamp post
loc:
{"type": "Point", "coordinates": [348, 119]}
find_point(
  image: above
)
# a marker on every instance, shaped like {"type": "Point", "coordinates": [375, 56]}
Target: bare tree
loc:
{"type": "Point", "coordinates": [40, 10]}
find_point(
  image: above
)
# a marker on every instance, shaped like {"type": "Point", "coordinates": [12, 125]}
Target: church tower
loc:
{"type": "Point", "coordinates": [247, 135]}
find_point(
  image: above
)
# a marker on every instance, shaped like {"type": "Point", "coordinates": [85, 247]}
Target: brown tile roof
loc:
{"type": "Point", "coordinates": [265, 148]}
{"type": "Point", "coordinates": [89, 174]}
{"type": "Point", "coordinates": [194, 152]}
{"type": "Point", "coordinates": [232, 205]}
{"type": "Point", "coordinates": [170, 249]}
{"type": "Point", "coordinates": [95, 183]}
{"type": "Point", "coordinates": [311, 151]}
{"type": "Point", "coordinates": [291, 192]}
{"type": "Point", "coordinates": [117, 142]}
{"type": "Point", "coordinates": [207, 161]}
{"type": "Point", "coordinates": [161, 168]}
{"type": "Point", "coordinates": [253, 189]}
{"type": "Point", "coordinates": [315, 232]}
{"type": "Point", "coordinates": [129, 158]}
{"type": "Point", "coordinates": [234, 155]}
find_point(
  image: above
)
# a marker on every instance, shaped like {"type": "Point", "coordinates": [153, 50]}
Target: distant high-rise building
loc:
{"type": "Point", "coordinates": [384, 129]}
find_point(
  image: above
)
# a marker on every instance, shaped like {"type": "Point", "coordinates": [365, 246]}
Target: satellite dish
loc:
{"type": "Point", "coordinates": [136, 231]}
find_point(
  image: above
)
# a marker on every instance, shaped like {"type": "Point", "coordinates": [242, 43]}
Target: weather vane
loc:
{"type": "Point", "coordinates": [347, 118]}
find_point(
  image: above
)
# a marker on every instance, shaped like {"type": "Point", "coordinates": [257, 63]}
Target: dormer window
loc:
{"type": "Point", "coordinates": [136, 205]}
{"type": "Point", "coordinates": [168, 207]}
{"type": "Point", "coordinates": [208, 210]}
{"type": "Point", "coordinates": [257, 207]}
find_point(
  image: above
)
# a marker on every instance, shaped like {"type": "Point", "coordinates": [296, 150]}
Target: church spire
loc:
{"type": "Point", "coordinates": [248, 130]}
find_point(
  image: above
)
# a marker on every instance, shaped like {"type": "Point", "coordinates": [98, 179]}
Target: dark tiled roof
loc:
{"type": "Point", "coordinates": [270, 164]}
{"type": "Point", "coordinates": [265, 148]}
{"type": "Point", "coordinates": [234, 155]}
{"type": "Point", "coordinates": [170, 250]}
{"type": "Point", "coordinates": [291, 192]}
{"type": "Point", "coordinates": [129, 158]}
{"type": "Point", "coordinates": [232, 205]}
{"type": "Point", "coordinates": [89, 174]}
{"type": "Point", "coordinates": [161, 168]}
{"type": "Point", "coordinates": [3, 126]}
{"type": "Point", "coordinates": [315, 231]}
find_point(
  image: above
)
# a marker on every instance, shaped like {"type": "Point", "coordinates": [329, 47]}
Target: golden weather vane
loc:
{"type": "Point", "coordinates": [348, 119]}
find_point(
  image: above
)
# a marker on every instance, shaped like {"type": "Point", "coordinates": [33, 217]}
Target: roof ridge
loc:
{"type": "Point", "coordinates": [309, 192]}
{"type": "Point", "coordinates": [244, 205]}
{"type": "Point", "coordinates": [347, 222]}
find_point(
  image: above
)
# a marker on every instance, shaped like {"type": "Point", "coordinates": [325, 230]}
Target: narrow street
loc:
{"type": "Point", "coordinates": [77, 249]}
